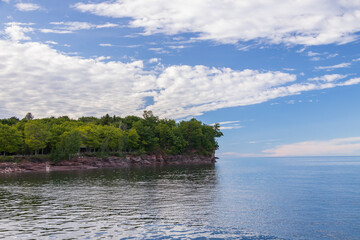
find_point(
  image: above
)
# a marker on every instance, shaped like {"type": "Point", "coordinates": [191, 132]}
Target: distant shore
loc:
{"type": "Point", "coordinates": [84, 163]}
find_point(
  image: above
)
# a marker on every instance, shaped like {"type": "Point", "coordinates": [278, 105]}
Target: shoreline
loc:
{"type": "Point", "coordinates": [87, 163]}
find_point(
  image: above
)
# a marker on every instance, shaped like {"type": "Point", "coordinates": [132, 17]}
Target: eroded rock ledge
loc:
{"type": "Point", "coordinates": [81, 163]}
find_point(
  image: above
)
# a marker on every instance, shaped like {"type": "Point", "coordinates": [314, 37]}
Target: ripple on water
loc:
{"type": "Point", "coordinates": [234, 200]}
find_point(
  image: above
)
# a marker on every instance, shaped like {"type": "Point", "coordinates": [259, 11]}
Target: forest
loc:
{"type": "Point", "coordinates": [62, 137]}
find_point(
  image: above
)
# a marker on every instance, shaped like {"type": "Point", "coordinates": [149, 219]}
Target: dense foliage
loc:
{"type": "Point", "coordinates": [62, 137]}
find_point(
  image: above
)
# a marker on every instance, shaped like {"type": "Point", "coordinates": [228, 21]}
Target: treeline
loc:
{"type": "Point", "coordinates": [62, 137]}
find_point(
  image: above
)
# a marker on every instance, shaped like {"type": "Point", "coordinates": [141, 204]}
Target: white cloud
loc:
{"type": "Point", "coordinates": [177, 47]}
{"type": "Point", "coordinates": [330, 68]}
{"type": "Point", "coordinates": [315, 59]}
{"type": "Point", "coordinates": [350, 82]}
{"type": "Point", "coordinates": [36, 78]}
{"type": "Point", "coordinates": [315, 56]}
{"type": "Point", "coordinates": [46, 30]}
{"type": "Point", "coordinates": [235, 154]}
{"type": "Point", "coordinates": [158, 50]}
{"type": "Point", "coordinates": [234, 126]}
{"type": "Point", "coordinates": [105, 45]}
{"type": "Point", "coordinates": [332, 55]}
{"type": "Point", "coordinates": [16, 31]}
{"type": "Point", "coordinates": [74, 26]}
{"type": "Point", "coordinates": [194, 90]}
{"type": "Point", "coordinates": [70, 27]}
{"type": "Point", "coordinates": [27, 7]}
{"type": "Point", "coordinates": [313, 22]}
{"type": "Point", "coordinates": [51, 42]}
{"type": "Point", "coordinates": [312, 54]}
{"type": "Point", "coordinates": [41, 80]}
{"type": "Point", "coordinates": [229, 125]}
{"type": "Point", "coordinates": [301, 50]}
{"type": "Point", "coordinates": [290, 102]}
{"type": "Point", "coordinates": [227, 122]}
{"type": "Point", "coordinates": [328, 78]}
{"type": "Point", "coordinates": [107, 25]}
{"type": "Point", "coordinates": [334, 147]}
{"type": "Point", "coordinates": [154, 60]}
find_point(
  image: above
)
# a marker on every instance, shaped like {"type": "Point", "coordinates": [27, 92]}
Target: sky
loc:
{"type": "Point", "coordinates": [281, 77]}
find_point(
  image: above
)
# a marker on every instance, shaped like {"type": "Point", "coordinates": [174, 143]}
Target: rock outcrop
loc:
{"type": "Point", "coordinates": [80, 163]}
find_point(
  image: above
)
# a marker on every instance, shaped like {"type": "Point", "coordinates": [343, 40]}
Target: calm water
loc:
{"type": "Point", "coordinates": [286, 198]}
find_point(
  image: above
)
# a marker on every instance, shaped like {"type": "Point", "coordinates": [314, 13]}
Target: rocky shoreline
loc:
{"type": "Point", "coordinates": [83, 163]}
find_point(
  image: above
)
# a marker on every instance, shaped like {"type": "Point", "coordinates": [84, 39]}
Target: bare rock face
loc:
{"type": "Point", "coordinates": [109, 162]}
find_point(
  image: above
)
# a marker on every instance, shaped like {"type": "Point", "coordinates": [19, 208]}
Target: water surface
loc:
{"type": "Point", "coordinates": [254, 198]}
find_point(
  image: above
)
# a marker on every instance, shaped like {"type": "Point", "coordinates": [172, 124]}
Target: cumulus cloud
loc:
{"type": "Point", "coordinates": [334, 147]}
{"type": "Point", "coordinates": [36, 78]}
{"type": "Point", "coordinates": [328, 78]}
{"type": "Point", "coordinates": [16, 31]}
{"type": "Point", "coordinates": [313, 22]}
{"type": "Point", "coordinates": [27, 7]}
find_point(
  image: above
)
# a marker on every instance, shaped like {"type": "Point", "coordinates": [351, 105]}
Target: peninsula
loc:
{"type": "Point", "coordinates": [51, 144]}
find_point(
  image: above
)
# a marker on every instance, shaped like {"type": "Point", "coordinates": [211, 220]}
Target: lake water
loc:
{"type": "Point", "coordinates": [254, 198]}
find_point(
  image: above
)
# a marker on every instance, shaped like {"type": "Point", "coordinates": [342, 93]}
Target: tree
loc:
{"type": "Point", "coordinates": [110, 138]}
{"type": "Point", "coordinates": [133, 139]}
{"type": "Point", "coordinates": [10, 121]}
{"type": "Point", "coordinates": [90, 136]}
{"type": "Point", "coordinates": [191, 130]}
{"type": "Point", "coordinates": [146, 131]}
{"type": "Point", "coordinates": [69, 144]}
{"type": "Point", "coordinates": [29, 116]}
{"type": "Point", "coordinates": [106, 120]}
{"type": "Point", "coordinates": [148, 134]}
{"type": "Point", "coordinates": [10, 139]}
{"type": "Point", "coordinates": [36, 135]}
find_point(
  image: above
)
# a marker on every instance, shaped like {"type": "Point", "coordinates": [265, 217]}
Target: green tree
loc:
{"type": "Point", "coordinates": [110, 138]}
{"type": "Point", "coordinates": [106, 120]}
{"type": "Point", "coordinates": [29, 116]}
{"type": "Point", "coordinates": [10, 139]}
{"type": "Point", "coordinates": [36, 135]}
{"type": "Point", "coordinates": [133, 139]}
{"type": "Point", "coordinates": [191, 130]}
{"type": "Point", "coordinates": [148, 134]}
{"type": "Point", "coordinates": [90, 136]}
{"type": "Point", "coordinates": [10, 121]}
{"type": "Point", "coordinates": [69, 144]}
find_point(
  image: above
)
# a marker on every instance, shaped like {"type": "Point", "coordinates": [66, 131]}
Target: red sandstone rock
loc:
{"type": "Point", "coordinates": [110, 162]}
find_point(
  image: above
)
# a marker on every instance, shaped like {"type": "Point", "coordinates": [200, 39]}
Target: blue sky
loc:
{"type": "Point", "coordinates": [280, 76]}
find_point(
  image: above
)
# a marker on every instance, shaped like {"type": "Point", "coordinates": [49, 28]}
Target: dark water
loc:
{"type": "Point", "coordinates": [285, 198]}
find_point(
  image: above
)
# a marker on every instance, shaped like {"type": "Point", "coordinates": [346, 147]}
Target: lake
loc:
{"type": "Point", "coordinates": [248, 198]}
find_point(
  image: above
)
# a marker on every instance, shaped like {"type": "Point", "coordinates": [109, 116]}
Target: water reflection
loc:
{"type": "Point", "coordinates": [140, 203]}
{"type": "Point", "coordinates": [310, 198]}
